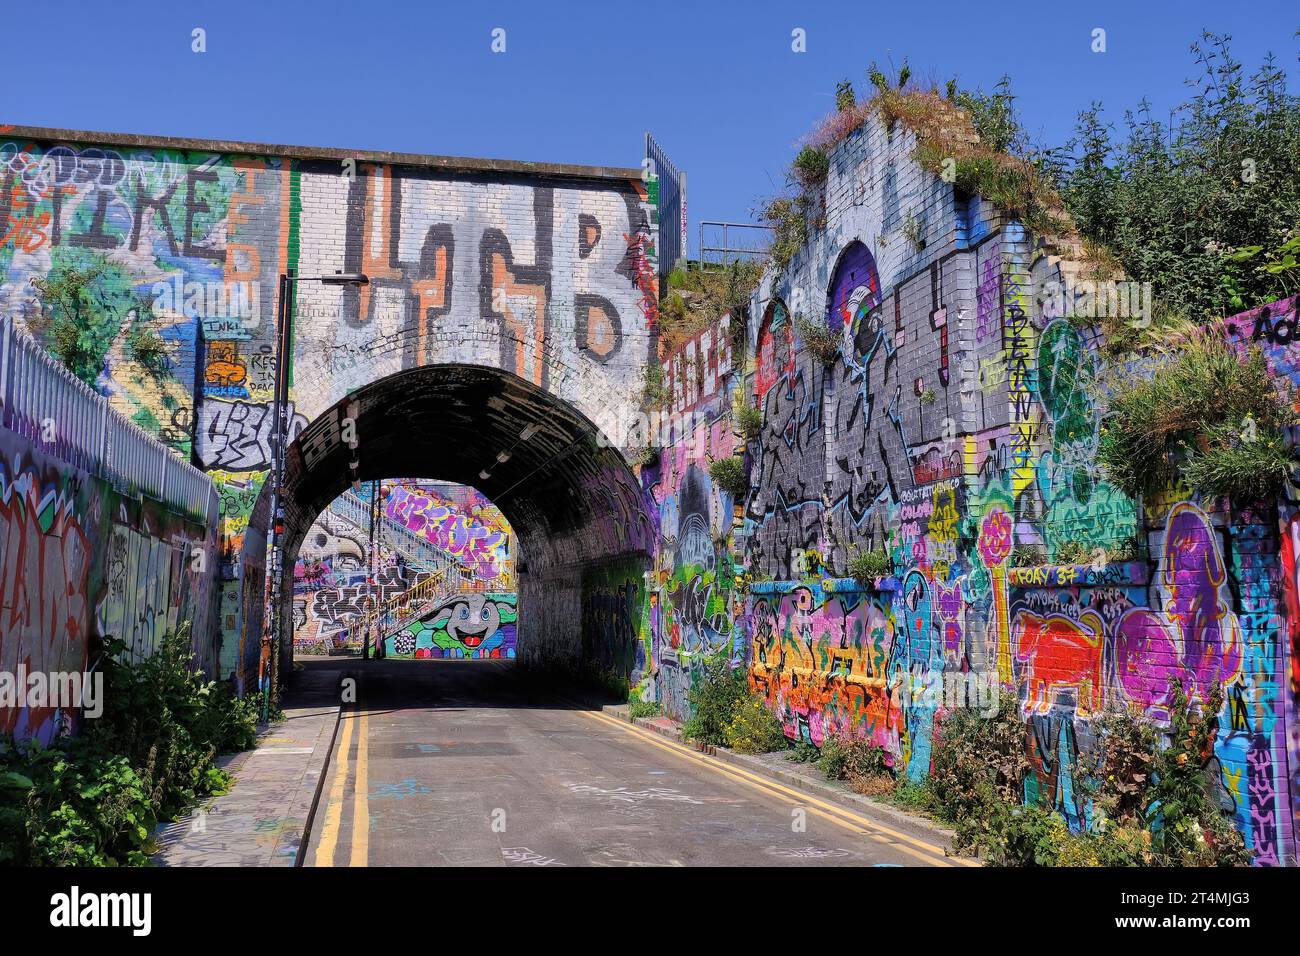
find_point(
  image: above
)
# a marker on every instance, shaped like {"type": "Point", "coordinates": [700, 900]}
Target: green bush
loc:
{"type": "Point", "coordinates": [754, 729]}
{"type": "Point", "coordinates": [714, 700]}
{"type": "Point", "coordinates": [750, 421]}
{"type": "Point", "coordinates": [811, 167]}
{"type": "Point", "coordinates": [817, 338]}
{"type": "Point", "coordinates": [74, 805]}
{"type": "Point", "coordinates": [979, 763]}
{"type": "Point", "coordinates": [638, 708]}
{"type": "Point", "coordinates": [917, 796]}
{"type": "Point", "coordinates": [1016, 835]}
{"type": "Point", "coordinates": [866, 566]}
{"type": "Point", "coordinates": [729, 475]}
{"type": "Point", "coordinates": [851, 758]}
{"type": "Point", "coordinates": [804, 752]}
{"type": "Point", "coordinates": [1205, 411]}
{"type": "Point", "coordinates": [93, 800]}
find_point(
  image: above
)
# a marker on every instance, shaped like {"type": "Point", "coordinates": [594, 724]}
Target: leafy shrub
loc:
{"type": "Point", "coordinates": [729, 475]}
{"type": "Point", "coordinates": [918, 796]}
{"type": "Point", "coordinates": [750, 421]}
{"type": "Point", "coordinates": [845, 98]}
{"type": "Point", "coordinates": [866, 566]}
{"type": "Point", "coordinates": [1073, 552]}
{"type": "Point", "coordinates": [654, 393]}
{"type": "Point", "coordinates": [978, 763]}
{"type": "Point", "coordinates": [850, 758]}
{"type": "Point", "coordinates": [1206, 410]}
{"type": "Point", "coordinates": [1173, 203]}
{"type": "Point", "coordinates": [811, 166]}
{"type": "Point", "coordinates": [804, 752]}
{"type": "Point", "coordinates": [92, 800]}
{"type": "Point", "coordinates": [714, 700]}
{"type": "Point", "coordinates": [638, 708]}
{"type": "Point", "coordinates": [1177, 806]}
{"type": "Point", "coordinates": [147, 347]}
{"type": "Point", "coordinates": [1014, 835]}
{"type": "Point", "coordinates": [73, 805]}
{"type": "Point", "coordinates": [817, 338]}
{"type": "Point", "coordinates": [789, 221]}
{"type": "Point", "coordinates": [754, 729]}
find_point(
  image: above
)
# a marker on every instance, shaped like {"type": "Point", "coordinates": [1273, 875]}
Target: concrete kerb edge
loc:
{"type": "Point", "coordinates": [301, 856]}
{"type": "Point", "coordinates": [852, 801]}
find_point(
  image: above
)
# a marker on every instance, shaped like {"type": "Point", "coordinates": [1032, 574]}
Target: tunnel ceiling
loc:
{"type": "Point", "coordinates": [560, 490]}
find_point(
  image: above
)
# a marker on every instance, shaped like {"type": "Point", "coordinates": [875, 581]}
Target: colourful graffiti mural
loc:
{"type": "Point", "coordinates": [478, 625]}
{"type": "Point", "coordinates": [956, 429]}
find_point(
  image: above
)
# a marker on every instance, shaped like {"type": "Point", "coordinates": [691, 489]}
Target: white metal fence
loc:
{"type": "Point", "coordinates": [45, 403]}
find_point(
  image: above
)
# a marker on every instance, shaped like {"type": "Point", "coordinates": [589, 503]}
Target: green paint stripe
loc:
{"type": "Point", "coordinates": [291, 257]}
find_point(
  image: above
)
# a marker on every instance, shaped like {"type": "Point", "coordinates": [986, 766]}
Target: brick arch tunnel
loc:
{"type": "Point", "coordinates": [584, 525]}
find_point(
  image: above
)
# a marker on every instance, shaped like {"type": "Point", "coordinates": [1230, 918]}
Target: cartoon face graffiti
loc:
{"type": "Point", "coordinates": [472, 621]}
{"type": "Point", "coordinates": [469, 624]}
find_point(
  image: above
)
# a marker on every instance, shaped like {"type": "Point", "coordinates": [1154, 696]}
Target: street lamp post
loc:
{"type": "Point", "coordinates": [269, 664]}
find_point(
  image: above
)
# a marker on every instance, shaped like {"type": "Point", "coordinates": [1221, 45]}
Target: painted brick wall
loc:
{"type": "Point", "coordinates": [956, 429]}
{"type": "Point", "coordinates": [546, 272]}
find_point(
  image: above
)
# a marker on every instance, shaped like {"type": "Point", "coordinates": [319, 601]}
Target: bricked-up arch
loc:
{"type": "Point", "coordinates": [576, 506]}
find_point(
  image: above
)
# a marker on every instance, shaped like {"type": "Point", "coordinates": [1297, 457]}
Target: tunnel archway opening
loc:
{"type": "Point", "coordinates": [585, 528]}
{"type": "Point", "coordinates": [408, 568]}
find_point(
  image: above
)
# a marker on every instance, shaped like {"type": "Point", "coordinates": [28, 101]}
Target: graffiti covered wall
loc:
{"type": "Point", "coordinates": [548, 272]}
{"type": "Point", "coordinates": [80, 563]}
{"type": "Point", "coordinates": [955, 430]}
{"type": "Point", "coordinates": [445, 538]}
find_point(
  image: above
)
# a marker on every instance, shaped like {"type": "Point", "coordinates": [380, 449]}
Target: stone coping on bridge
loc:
{"type": "Point", "coordinates": [454, 164]}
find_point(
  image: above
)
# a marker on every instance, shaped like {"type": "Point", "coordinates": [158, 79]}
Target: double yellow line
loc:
{"type": "Point", "coordinates": [329, 837]}
{"type": "Point", "coordinates": [930, 854]}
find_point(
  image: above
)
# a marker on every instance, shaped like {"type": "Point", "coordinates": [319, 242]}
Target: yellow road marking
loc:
{"type": "Point", "coordinates": [844, 817]}
{"type": "Point", "coordinates": [329, 836]}
{"type": "Point", "coordinates": [361, 802]}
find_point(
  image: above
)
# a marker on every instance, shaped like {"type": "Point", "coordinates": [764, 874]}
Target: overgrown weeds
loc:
{"type": "Point", "coordinates": [93, 799]}
{"type": "Point", "coordinates": [1205, 411]}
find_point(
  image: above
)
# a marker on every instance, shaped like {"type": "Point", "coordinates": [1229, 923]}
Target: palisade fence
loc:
{"type": "Point", "coordinates": [672, 206]}
{"type": "Point", "coordinates": [45, 403]}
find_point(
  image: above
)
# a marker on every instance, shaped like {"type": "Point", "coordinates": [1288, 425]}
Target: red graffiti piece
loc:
{"type": "Point", "coordinates": [43, 575]}
{"type": "Point", "coordinates": [1059, 653]}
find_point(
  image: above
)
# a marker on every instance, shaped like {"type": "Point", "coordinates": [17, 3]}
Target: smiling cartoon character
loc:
{"type": "Point", "coordinates": [470, 624]}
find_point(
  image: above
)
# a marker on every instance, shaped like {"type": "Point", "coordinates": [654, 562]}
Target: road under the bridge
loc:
{"type": "Point", "coordinates": [470, 763]}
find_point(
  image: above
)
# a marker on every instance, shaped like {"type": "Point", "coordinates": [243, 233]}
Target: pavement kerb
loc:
{"type": "Point", "coordinates": [797, 781]}
{"type": "Point", "coordinates": [309, 795]}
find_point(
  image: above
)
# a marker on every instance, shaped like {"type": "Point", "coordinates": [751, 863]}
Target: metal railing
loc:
{"type": "Point", "coordinates": [672, 206]}
{"type": "Point", "coordinates": [45, 403]}
{"type": "Point", "coordinates": [722, 243]}
{"type": "Point", "coordinates": [418, 550]}
{"type": "Point", "coordinates": [399, 610]}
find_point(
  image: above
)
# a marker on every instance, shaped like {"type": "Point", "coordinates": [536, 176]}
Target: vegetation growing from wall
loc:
{"type": "Point", "coordinates": [817, 338]}
{"type": "Point", "coordinates": [698, 297]}
{"type": "Point", "coordinates": [866, 566]}
{"type": "Point", "coordinates": [729, 475]}
{"type": "Point", "coordinates": [93, 799]}
{"type": "Point", "coordinates": [749, 421]}
{"type": "Point", "coordinates": [1204, 412]}
{"type": "Point", "coordinates": [725, 712]}
{"type": "Point", "coordinates": [85, 301]}
{"type": "Point", "coordinates": [1153, 792]}
{"type": "Point", "coordinates": [1177, 205]}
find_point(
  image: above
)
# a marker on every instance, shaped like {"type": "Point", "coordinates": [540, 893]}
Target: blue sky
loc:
{"type": "Point", "coordinates": [717, 83]}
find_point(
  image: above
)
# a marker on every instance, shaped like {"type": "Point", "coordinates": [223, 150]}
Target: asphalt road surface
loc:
{"type": "Point", "coordinates": [465, 763]}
